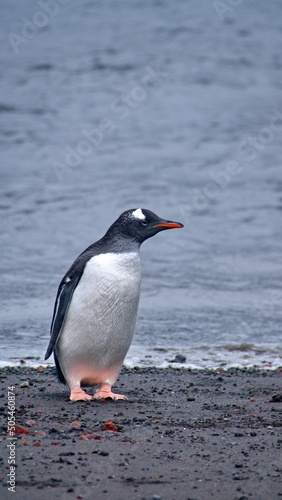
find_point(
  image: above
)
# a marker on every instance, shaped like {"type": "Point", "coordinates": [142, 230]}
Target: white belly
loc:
{"type": "Point", "coordinates": [101, 319]}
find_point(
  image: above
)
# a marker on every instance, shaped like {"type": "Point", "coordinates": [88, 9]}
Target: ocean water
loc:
{"type": "Point", "coordinates": [171, 106]}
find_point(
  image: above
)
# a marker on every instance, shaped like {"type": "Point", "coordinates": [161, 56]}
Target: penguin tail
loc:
{"type": "Point", "coordinates": [59, 372]}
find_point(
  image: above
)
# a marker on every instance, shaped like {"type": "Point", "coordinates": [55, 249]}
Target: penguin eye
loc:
{"type": "Point", "coordinates": [144, 222]}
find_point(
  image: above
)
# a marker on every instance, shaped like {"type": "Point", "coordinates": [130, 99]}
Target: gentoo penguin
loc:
{"type": "Point", "coordinates": [96, 306]}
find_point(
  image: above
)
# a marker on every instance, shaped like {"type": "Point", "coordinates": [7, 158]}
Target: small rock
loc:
{"type": "Point", "coordinates": [110, 426]}
{"type": "Point", "coordinates": [53, 430]}
{"type": "Point", "coordinates": [20, 429]}
{"type": "Point", "coordinates": [276, 398]}
{"type": "Point", "coordinates": [31, 422]}
{"type": "Point", "coordinates": [86, 436]}
{"type": "Point", "coordinates": [25, 384]}
{"type": "Point", "coordinates": [179, 358]}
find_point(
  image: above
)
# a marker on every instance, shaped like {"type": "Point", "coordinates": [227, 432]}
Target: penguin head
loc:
{"type": "Point", "coordinates": [139, 224]}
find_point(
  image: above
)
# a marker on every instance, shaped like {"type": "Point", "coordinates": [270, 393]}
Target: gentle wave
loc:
{"type": "Point", "coordinates": [199, 357]}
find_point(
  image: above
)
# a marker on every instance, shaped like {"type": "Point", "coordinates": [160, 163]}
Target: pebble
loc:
{"type": "Point", "coordinates": [179, 358]}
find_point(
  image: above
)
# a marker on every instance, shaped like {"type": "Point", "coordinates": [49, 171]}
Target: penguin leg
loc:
{"type": "Point", "coordinates": [78, 394]}
{"type": "Point", "coordinates": [105, 391]}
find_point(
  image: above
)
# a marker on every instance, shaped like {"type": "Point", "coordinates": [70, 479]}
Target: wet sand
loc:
{"type": "Point", "coordinates": [182, 434]}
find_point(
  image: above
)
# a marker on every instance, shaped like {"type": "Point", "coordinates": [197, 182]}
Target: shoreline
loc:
{"type": "Point", "coordinates": [198, 357]}
{"type": "Point", "coordinates": [182, 433]}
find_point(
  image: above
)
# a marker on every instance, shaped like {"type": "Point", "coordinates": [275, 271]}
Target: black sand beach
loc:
{"type": "Point", "coordinates": [182, 434]}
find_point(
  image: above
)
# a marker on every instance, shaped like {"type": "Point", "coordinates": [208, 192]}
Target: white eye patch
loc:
{"type": "Point", "coordinates": [138, 214]}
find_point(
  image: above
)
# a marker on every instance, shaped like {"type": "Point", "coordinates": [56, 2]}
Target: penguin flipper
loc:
{"type": "Point", "coordinates": [63, 300]}
{"type": "Point", "coordinates": [59, 372]}
{"type": "Point", "coordinates": [65, 293]}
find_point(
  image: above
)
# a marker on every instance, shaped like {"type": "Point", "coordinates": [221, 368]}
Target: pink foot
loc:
{"type": "Point", "coordinates": [77, 394]}
{"type": "Point", "coordinates": [104, 392]}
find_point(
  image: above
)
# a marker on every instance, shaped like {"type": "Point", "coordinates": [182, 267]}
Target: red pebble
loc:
{"type": "Point", "coordinates": [87, 436]}
{"type": "Point", "coordinates": [110, 426]}
{"type": "Point", "coordinates": [31, 422]}
{"type": "Point", "coordinates": [20, 429]}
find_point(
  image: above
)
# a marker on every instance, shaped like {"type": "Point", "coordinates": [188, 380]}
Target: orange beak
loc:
{"type": "Point", "coordinates": [169, 225]}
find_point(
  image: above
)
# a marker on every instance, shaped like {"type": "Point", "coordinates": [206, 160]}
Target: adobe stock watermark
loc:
{"type": "Point", "coordinates": [12, 440]}
{"type": "Point", "coordinates": [31, 27]}
{"type": "Point", "coordinates": [225, 7]}
{"type": "Point", "coordinates": [249, 148]}
{"type": "Point", "coordinates": [255, 144]}
{"type": "Point", "coordinates": [120, 110]}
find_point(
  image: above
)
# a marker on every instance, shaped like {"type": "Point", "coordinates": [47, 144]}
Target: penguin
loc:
{"type": "Point", "coordinates": [96, 306]}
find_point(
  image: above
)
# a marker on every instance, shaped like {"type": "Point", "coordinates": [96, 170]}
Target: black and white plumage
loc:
{"type": "Point", "coordinates": [96, 305]}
